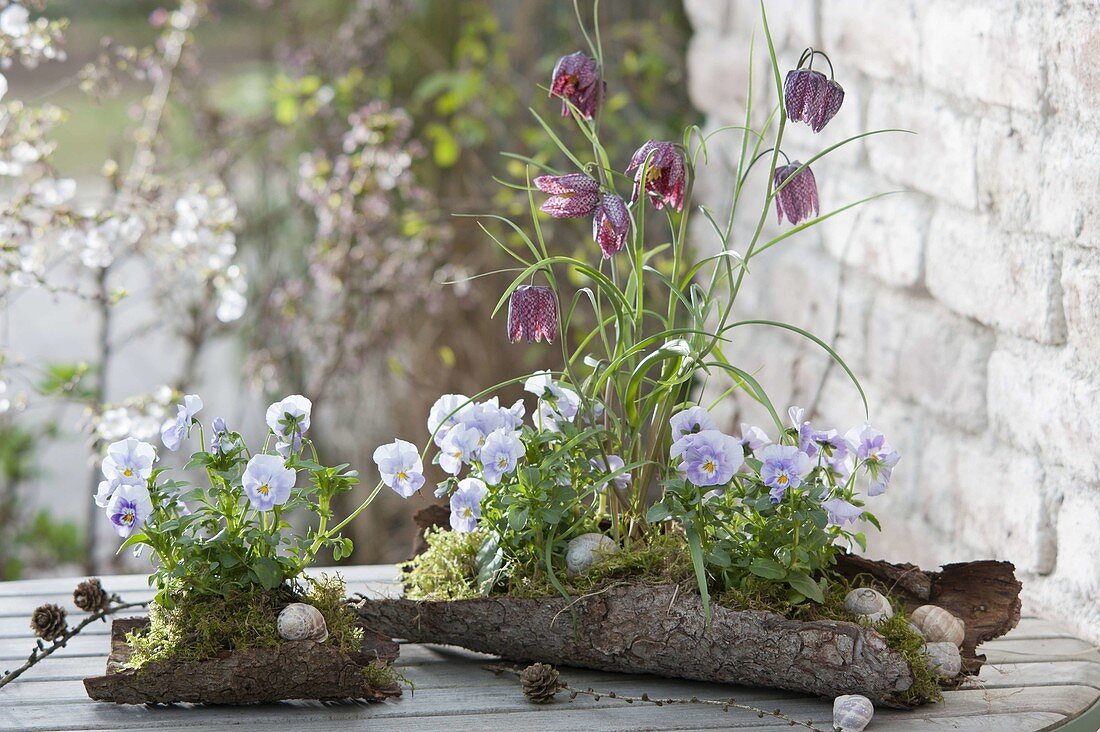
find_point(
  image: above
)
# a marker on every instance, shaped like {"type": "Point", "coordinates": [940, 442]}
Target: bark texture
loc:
{"type": "Point", "coordinates": [658, 630]}
{"type": "Point", "coordinates": [986, 595]}
{"type": "Point", "coordinates": [295, 670]}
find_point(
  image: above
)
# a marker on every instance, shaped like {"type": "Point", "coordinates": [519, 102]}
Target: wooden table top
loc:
{"type": "Point", "coordinates": [1038, 677]}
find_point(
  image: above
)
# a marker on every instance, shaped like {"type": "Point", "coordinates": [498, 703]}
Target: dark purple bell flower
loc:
{"type": "Point", "coordinates": [797, 199]}
{"type": "Point", "coordinates": [532, 314]}
{"type": "Point", "coordinates": [811, 97]}
{"type": "Point", "coordinates": [663, 178]}
{"type": "Point", "coordinates": [610, 225]}
{"type": "Point", "coordinates": [576, 79]}
{"type": "Point", "coordinates": [571, 195]}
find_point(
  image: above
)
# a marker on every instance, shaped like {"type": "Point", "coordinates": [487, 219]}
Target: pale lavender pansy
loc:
{"type": "Point", "coordinates": [691, 420]}
{"type": "Point", "coordinates": [841, 512]}
{"type": "Point", "coordinates": [460, 447]}
{"type": "Point", "coordinates": [129, 508]}
{"type": "Point", "coordinates": [129, 461]}
{"type": "Point", "coordinates": [444, 415]}
{"type": "Point", "coordinates": [289, 416]}
{"type": "Point", "coordinates": [400, 466]}
{"type": "Point", "coordinates": [500, 454]}
{"type": "Point", "coordinates": [784, 467]}
{"type": "Point", "coordinates": [753, 438]}
{"type": "Point", "coordinates": [173, 431]}
{"type": "Point", "coordinates": [267, 481]}
{"type": "Point", "coordinates": [876, 454]}
{"type": "Point", "coordinates": [466, 504]}
{"type": "Point", "coordinates": [711, 458]}
{"type": "Point", "coordinates": [614, 467]}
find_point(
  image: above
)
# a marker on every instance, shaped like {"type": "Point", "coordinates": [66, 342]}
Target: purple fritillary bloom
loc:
{"type": "Point", "coordinates": [810, 97]}
{"type": "Point", "coordinates": [571, 196]}
{"type": "Point", "coordinates": [610, 225]}
{"type": "Point", "coordinates": [466, 504]}
{"type": "Point", "coordinates": [662, 177]}
{"type": "Point", "coordinates": [798, 198]}
{"type": "Point", "coordinates": [532, 314]}
{"type": "Point", "coordinates": [576, 79]}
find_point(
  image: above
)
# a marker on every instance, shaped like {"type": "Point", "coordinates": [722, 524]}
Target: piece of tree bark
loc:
{"type": "Point", "coordinates": [295, 670]}
{"type": "Point", "coordinates": [659, 630]}
{"type": "Point", "coordinates": [985, 595]}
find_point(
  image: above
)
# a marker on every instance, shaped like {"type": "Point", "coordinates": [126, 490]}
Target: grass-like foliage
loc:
{"type": "Point", "coordinates": [621, 439]}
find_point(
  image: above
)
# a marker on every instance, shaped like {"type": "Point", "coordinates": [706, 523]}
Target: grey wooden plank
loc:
{"type": "Point", "coordinates": [1011, 650]}
{"type": "Point", "coordinates": [505, 701]}
{"type": "Point", "coordinates": [1032, 628]}
{"type": "Point", "coordinates": [551, 719]}
{"type": "Point", "coordinates": [1040, 673]}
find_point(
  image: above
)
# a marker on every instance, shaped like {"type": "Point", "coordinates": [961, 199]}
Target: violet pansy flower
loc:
{"type": "Point", "coordinates": [841, 512]}
{"type": "Point", "coordinates": [445, 414]}
{"type": "Point", "coordinates": [691, 420]}
{"type": "Point", "coordinates": [753, 438]}
{"type": "Point", "coordinates": [129, 508]}
{"type": "Point", "coordinates": [466, 504]}
{"type": "Point", "coordinates": [460, 447]}
{"type": "Point", "coordinates": [877, 456]}
{"type": "Point", "coordinates": [784, 467]}
{"type": "Point", "coordinates": [173, 431]}
{"type": "Point", "coordinates": [267, 481]}
{"type": "Point", "coordinates": [500, 454]}
{"type": "Point", "coordinates": [711, 458]}
{"type": "Point", "coordinates": [129, 461]}
{"type": "Point", "coordinates": [400, 466]}
{"type": "Point", "coordinates": [614, 466]}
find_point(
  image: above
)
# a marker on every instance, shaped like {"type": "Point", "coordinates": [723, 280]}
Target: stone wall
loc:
{"type": "Point", "coordinates": [969, 304]}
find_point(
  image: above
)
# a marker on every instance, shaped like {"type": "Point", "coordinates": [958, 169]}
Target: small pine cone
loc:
{"type": "Point", "coordinates": [540, 683]}
{"type": "Point", "coordinates": [48, 622]}
{"type": "Point", "coordinates": [90, 596]}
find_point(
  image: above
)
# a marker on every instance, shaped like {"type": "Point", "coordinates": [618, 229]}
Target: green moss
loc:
{"type": "Point", "coordinates": [448, 569]}
{"type": "Point", "coordinates": [201, 626]}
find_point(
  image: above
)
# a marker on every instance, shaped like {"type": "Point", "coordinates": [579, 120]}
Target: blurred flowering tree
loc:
{"type": "Point", "coordinates": [305, 149]}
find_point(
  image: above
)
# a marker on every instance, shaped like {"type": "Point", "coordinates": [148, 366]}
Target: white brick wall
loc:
{"type": "Point", "coordinates": [970, 303]}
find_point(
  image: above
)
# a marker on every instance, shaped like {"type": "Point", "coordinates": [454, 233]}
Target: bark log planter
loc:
{"type": "Point", "coordinates": [295, 670]}
{"type": "Point", "coordinates": [660, 630]}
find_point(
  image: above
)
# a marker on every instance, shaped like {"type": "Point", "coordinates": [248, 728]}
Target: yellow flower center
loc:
{"type": "Point", "coordinates": [467, 512]}
{"type": "Point", "coordinates": [709, 466]}
{"type": "Point", "coordinates": [128, 517]}
{"type": "Point", "coordinates": [128, 473]}
{"type": "Point", "coordinates": [782, 479]}
{"type": "Point", "coordinates": [502, 463]}
{"type": "Point", "coordinates": [264, 489]}
{"type": "Point", "coordinates": [402, 475]}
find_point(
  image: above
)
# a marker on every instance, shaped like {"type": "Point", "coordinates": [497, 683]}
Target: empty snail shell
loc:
{"type": "Point", "coordinates": [869, 603]}
{"type": "Point", "coordinates": [938, 625]}
{"type": "Point", "coordinates": [852, 712]}
{"type": "Point", "coordinates": [944, 658]}
{"type": "Point", "coordinates": [587, 549]}
{"type": "Point", "coordinates": [299, 621]}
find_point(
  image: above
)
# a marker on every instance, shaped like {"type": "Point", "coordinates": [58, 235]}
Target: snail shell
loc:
{"type": "Point", "coordinates": [944, 658]}
{"type": "Point", "coordinates": [869, 603]}
{"type": "Point", "coordinates": [299, 621]}
{"type": "Point", "coordinates": [586, 550]}
{"type": "Point", "coordinates": [852, 712]}
{"type": "Point", "coordinates": [938, 625]}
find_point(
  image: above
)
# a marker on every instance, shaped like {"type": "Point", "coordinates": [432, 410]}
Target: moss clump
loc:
{"type": "Point", "coordinates": [447, 570]}
{"type": "Point", "coordinates": [201, 626]}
